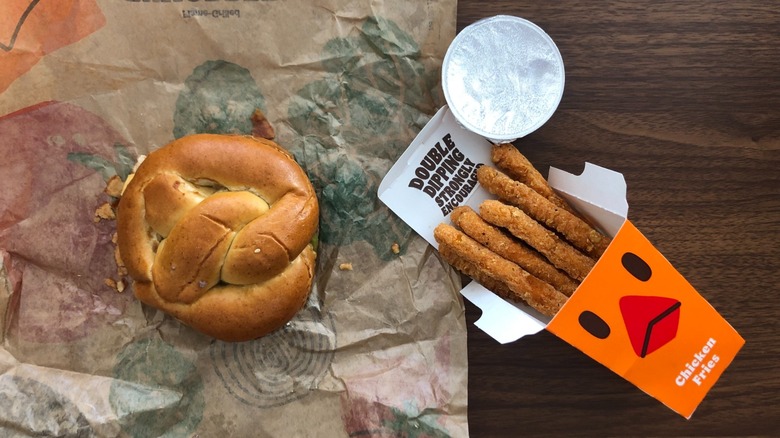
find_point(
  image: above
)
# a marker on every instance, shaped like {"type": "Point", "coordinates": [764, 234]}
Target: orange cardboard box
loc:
{"type": "Point", "coordinates": [638, 316]}
{"type": "Point", "coordinates": [634, 312]}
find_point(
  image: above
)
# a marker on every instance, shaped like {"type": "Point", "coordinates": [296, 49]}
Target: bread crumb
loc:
{"type": "Point", "coordinates": [345, 266]}
{"type": "Point", "coordinates": [110, 282]}
{"type": "Point", "coordinates": [257, 251]}
{"type": "Point", "coordinates": [118, 257]}
{"type": "Point", "coordinates": [114, 186]}
{"type": "Point", "coordinates": [395, 248]}
{"type": "Point", "coordinates": [121, 269]}
{"type": "Point", "coordinates": [104, 212]}
{"type": "Point", "coordinates": [261, 127]}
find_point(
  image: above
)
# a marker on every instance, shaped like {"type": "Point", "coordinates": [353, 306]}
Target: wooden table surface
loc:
{"type": "Point", "coordinates": [683, 98]}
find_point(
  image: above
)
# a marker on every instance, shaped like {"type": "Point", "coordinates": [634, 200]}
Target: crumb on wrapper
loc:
{"type": "Point", "coordinates": [114, 186]}
{"type": "Point", "coordinates": [104, 212]}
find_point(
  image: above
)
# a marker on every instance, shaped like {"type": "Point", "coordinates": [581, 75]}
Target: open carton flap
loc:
{"type": "Point", "coordinates": [503, 321]}
{"type": "Point", "coordinates": [598, 193]}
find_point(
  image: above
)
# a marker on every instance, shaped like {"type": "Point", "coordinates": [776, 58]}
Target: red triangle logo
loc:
{"type": "Point", "coordinates": [651, 322]}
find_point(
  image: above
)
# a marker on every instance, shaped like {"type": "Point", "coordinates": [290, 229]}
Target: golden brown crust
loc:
{"type": "Point", "coordinates": [451, 256]}
{"type": "Point", "coordinates": [516, 165]}
{"type": "Point", "coordinates": [238, 313]}
{"type": "Point", "coordinates": [573, 228]}
{"type": "Point", "coordinates": [511, 249]}
{"type": "Point", "coordinates": [494, 271]}
{"type": "Point", "coordinates": [216, 230]}
{"type": "Point", "coordinates": [522, 226]}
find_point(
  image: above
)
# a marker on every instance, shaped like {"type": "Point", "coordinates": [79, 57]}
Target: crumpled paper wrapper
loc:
{"type": "Point", "coordinates": [88, 86]}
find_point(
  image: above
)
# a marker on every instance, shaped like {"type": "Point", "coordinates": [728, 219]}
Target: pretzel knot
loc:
{"type": "Point", "coordinates": [216, 230]}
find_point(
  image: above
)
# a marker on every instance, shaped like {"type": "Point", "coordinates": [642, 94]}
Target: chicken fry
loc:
{"type": "Point", "coordinates": [514, 250]}
{"type": "Point", "coordinates": [522, 226]}
{"type": "Point", "coordinates": [450, 255]}
{"type": "Point", "coordinates": [516, 165]}
{"type": "Point", "coordinates": [516, 193]}
{"type": "Point", "coordinates": [481, 264]}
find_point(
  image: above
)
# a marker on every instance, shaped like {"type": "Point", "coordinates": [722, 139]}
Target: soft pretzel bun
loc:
{"type": "Point", "coordinates": [216, 230]}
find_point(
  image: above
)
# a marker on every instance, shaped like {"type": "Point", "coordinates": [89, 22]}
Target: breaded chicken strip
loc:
{"type": "Point", "coordinates": [522, 226]}
{"type": "Point", "coordinates": [489, 269]}
{"type": "Point", "coordinates": [578, 232]}
{"type": "Point", "coordinates": [514, 250]}
{"type": "Point", "coordinates": [516, 165]}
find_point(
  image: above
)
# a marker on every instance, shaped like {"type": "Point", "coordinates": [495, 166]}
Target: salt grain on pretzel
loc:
{"type": "Point", "coordinates": [511, 249]}
{"type": "Point", "coordinates": [478, 262]}
{"type": "Point", "coordinates": [522, 226]}
{"type": "Point", "coordinates": [574, 229]}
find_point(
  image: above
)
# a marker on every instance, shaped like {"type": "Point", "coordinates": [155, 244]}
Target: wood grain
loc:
{"type": "Point", "coordinates": [683, 98]}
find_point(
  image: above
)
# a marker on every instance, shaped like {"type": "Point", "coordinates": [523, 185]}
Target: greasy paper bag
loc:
{"type": "Point", "coordinates": [87, 86]}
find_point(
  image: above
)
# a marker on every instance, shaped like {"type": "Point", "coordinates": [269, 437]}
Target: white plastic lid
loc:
{"type": "Point", "coordinates": [503, 77]}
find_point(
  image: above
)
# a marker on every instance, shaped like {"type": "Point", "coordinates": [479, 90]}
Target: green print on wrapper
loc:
{"type": "Point", "coordinates": [281, 367]}
{"type": "Point", "coordinates": [107, 169]}
{"type": "Point", "coordinates": [409, 425]}
{"type": "Point", "coordinates": [219, 98]}
{"type": "Point", "coordinates": [157, 391]}
{"type": "Point", "coordinates": [352, 125]}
